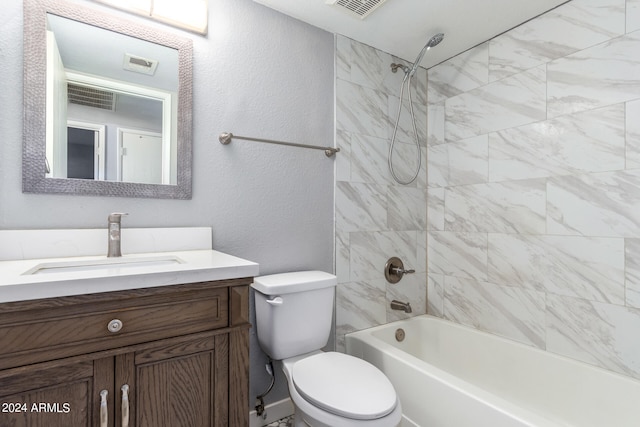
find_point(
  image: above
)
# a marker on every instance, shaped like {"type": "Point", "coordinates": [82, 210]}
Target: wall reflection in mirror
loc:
{"type": "Point", "coordinates": [111, 105]}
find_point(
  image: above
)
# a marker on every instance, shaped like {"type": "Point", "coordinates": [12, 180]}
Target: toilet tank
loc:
{"type": "Point", "coordinates": [293, 312]}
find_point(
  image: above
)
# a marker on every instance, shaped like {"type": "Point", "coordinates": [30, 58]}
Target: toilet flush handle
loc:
{"type": "Point", "coordinates": [275, 301]}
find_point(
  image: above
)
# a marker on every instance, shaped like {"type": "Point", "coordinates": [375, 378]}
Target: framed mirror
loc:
{"type": "Point", "coordinates": [107, 105]}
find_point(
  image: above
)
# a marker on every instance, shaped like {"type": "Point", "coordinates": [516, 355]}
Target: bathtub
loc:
{"type": "Point", "coordinates": [447, 375]}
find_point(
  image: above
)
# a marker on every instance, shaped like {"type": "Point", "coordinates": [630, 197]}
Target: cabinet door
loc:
{"type": "Point", "coordinates": [60, 394]}
{"type": "Point", "coordinates": [181, 382]}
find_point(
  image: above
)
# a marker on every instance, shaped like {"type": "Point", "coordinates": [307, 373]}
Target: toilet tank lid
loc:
{"type": "Point", "coordinates": [298, 281]}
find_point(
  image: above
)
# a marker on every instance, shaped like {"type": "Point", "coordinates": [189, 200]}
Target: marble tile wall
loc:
{"type": "Point", "coordinates": [534, 184]}
{"type": "Point", "coordinates": [377, 218]}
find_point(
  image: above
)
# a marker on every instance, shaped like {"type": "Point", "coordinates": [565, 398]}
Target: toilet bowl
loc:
{"type": "Point", "coordinates": [325, 396]}
{"type": "Point", "coordinates": [328, 389]}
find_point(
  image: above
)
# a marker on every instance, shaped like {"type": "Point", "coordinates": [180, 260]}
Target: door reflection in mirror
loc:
{"type": "Point", "coordinates": [82, 156]}
{"type": "Point", "coordinates": [139, 157]}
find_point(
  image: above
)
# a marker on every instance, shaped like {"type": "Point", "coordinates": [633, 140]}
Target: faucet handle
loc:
{"type": "Point", "coordinates": [394, 270]}
{"type": "Point", "coordinates": [402, 271]}
{"type": "Point", "coordinates": [116, 216]}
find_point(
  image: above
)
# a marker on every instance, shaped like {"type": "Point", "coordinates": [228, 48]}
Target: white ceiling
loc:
{"type": "Point", "coordinates": [99, 52]}
{"type": "Point", "coordinates": [402, 27]}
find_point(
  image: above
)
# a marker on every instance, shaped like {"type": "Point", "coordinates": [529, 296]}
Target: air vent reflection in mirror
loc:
{"type": "Point", "coordinates": [139, 64]}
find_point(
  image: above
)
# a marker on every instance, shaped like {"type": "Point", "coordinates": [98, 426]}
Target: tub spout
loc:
{"type": "Point", "coordinates": [399, 305]}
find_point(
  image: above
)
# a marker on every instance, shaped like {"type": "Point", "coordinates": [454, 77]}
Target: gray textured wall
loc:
{"type": "Point", "coordinates": [258, 73]}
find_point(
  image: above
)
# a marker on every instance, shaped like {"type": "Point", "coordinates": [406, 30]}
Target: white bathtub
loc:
{"type": "Point", "coordinates": [448, 375]}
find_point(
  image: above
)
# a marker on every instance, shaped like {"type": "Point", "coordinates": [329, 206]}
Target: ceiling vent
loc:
{"type": "Point", "coordinates": [359, 8]}
{"type": "Point", "coordinates": [91, 97]}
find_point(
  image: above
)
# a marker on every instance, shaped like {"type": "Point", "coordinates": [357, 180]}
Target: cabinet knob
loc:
{"type": "Point", "coordinates": [115, 325]}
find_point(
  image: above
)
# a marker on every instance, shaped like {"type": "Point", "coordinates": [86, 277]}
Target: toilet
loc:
{"type": "Point", "coordinates": [328, 389]}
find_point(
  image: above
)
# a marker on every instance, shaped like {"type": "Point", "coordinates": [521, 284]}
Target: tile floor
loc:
{"type": "Point", "coordinates": [285, 422]}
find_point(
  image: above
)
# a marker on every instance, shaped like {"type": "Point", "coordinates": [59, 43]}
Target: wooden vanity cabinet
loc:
{"type": "Point", "coordinates": [183, 352]}
{"type": "Point", "coordinates": [66, 387]}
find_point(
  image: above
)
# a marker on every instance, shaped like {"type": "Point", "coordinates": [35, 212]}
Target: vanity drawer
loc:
{"type": "Point", "coordinates": [52, 333]}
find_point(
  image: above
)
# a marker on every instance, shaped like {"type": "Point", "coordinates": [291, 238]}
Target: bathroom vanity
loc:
{"type": "Point", "coordinates": [168, 349]}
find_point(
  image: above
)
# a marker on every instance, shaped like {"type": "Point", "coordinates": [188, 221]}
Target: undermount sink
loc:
{"type": "Point", "coordinates": [39, 264]}
{"type": "Point", "coordinates": [102, 264]}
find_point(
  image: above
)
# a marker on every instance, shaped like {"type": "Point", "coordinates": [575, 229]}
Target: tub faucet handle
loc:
{"type": "Point", "coordinates": [394, 270]}
{"type": "Point", "coordinates": [401, 271]}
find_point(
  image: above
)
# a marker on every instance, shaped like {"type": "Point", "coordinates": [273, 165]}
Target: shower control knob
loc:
{"type": "Point", "coordinates": [394, 270]}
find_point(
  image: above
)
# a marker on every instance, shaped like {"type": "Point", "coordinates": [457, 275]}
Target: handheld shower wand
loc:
{"type": "Point", "coordinates": [408, 74]}
{"type": "Point", "coordinates": [433, 41]}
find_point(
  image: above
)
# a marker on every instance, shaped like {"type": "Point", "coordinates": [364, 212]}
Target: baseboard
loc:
{"type": "Point", "coordinates": [274, 411]}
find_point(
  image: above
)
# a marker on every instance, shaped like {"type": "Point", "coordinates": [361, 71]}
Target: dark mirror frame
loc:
{"type": "Point", "coordinates": [34, 119]}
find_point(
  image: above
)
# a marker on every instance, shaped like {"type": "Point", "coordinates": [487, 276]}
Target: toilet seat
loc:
{"type": "Point", "coordinates": [344, 385]}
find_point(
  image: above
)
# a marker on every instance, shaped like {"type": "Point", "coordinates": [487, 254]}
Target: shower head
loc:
{"type": "Point", "coordinates": [433, 41]}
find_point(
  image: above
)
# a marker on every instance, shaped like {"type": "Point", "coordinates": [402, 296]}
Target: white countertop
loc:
{"type": "Point", "coordinates": [188, 248]}
{"type": "Point", "coordinates": [195, 266]}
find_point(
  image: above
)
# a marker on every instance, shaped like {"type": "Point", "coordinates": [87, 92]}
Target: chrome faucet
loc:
{"type": "Point", "coordinates": [399, 305]}
{"type": "Point", "coordinates": [114, 234]}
